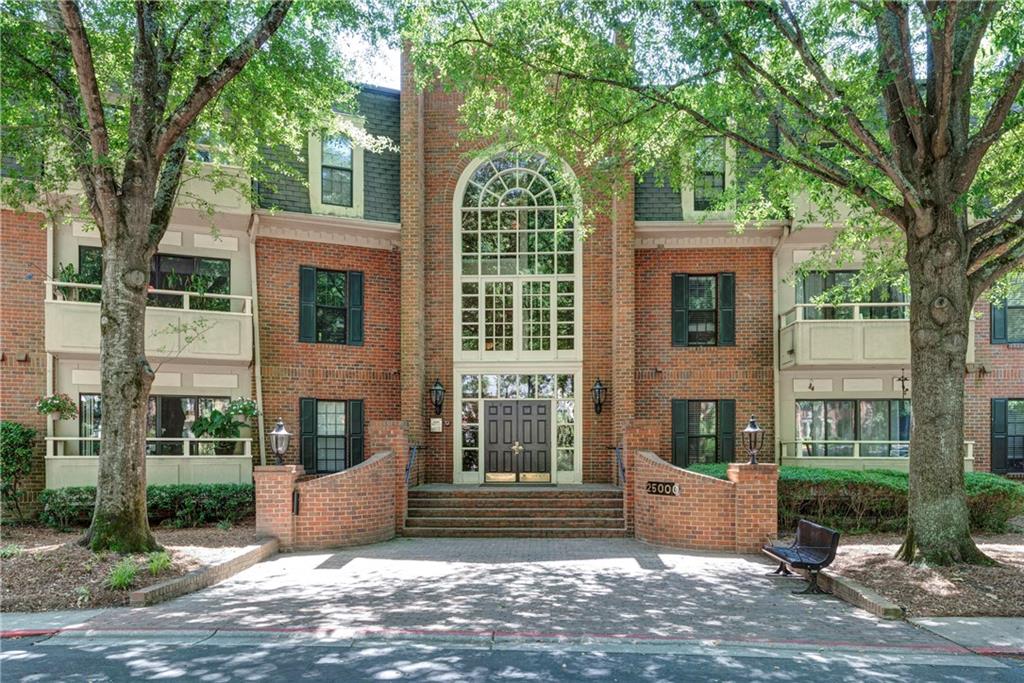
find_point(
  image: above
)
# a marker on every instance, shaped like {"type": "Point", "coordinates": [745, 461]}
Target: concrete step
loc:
{"type": "Point", "coordinates": [484, 492]}
{"type": "Point", "coordinates": [515, 522]}
{"type": "Point", "coordinates": [496, 502]}
{"type": "Point", "coordinates": [467, 511]}
{"type": "Point", "coordinates": [510, 532]}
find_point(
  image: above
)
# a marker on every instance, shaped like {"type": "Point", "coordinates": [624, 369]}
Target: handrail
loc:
{"type": "Point", "coordinates": [796, 313]}
{"type": "Point", "coordinates": [55, 444]}
{"type": "Point", "coordinates": [619, 462]}
{"type": "Point", "coordinates": [413, 449]}
{"type": "Point", "coordinates": [186, 296]}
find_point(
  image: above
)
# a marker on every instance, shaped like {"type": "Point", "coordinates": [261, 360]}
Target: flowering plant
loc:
{"type": "Point", "coordinates": [60, 404]}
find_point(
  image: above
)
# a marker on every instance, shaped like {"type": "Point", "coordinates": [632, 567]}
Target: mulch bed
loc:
{"type": "Point", "coordinates": [957, 590]}
{"type": "Point", "coordinates": [53, 572]}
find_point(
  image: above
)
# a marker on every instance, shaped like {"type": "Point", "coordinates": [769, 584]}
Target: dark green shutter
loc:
{"type": "Point", "coordinates": [307, 304]}
{"type": "Point", "coordinates": [355, 432]}
{"type": "Point", "coordinates": [307, 433]}
{"type": "Point", "coordinates": [679, 425]}
{"type": "Point", "coordinates": [726, 309]}
{"type": "Point", "coordinates": [998, 323]}
{"type": "Point", "coordinates": [355, 308]}
{"type": "Point", "coordinates": [999, 422]}
{"type": "Point", "coordinates": [679, 305]}
{"type": "Point", "coordinates": [726, 430]}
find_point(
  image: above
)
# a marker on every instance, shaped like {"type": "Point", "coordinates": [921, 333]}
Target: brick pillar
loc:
{"type": "Point", "coordinates": [757, 504]}
{"type": "Point", "coordinates": [413, 217]}
{"type": "Point", "coordinates": [639, 435]}
{"type": "Point", "coordinates": [274, 486]}
{"type": "Point", "coordinates": [393, 435]}
{"type": "Point", "coordinates": [623, 380]}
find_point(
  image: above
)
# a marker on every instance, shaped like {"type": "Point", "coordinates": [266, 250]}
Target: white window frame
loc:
{"type": "Point", "coordinates": [686, 193]}
{"type": "Point", "coordinates": [517, 354]}
{"type": "Point", "coordinates": [316, 204]}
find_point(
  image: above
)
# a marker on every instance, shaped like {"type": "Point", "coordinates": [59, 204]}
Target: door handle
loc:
{"type": "Point", "coordinates": [517, 448]}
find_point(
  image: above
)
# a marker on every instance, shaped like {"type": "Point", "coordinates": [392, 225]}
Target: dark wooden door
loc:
{"type": "Point", "coordinates": [517, 445]}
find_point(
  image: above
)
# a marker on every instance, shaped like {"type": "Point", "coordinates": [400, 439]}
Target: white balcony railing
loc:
{"type": "Point", "coordinates": [832, 313]}
{"type": "Point", "coordinates": [72, 446]}
{"type": "Point", "coordinates": [821, 450]}
{"type": "Point", "coordinates": [80, 292]}
{"type": "Point", "coordinates": [185, 325]}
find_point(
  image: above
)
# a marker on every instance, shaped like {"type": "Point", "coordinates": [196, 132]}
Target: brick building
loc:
{"type": "Point", "coordinates": [340, 302]}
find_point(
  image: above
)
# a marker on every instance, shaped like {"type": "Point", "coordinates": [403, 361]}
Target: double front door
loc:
{"type": "Point", "coordinates": [517, 437]}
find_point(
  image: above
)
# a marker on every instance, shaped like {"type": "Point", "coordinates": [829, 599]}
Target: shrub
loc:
{"type": "Point", "coordinates": [179, 505]}
{"type": "Point", "coordinates": [122, 575]}
{"type": "Point", "coordinates": [15, 461]}
{"type": "Point", "coordinates": [66, 506]}
{"type": "Point", "coordinates": [876, 500]}
{"type": "Point", "coordinates": [159, 561]}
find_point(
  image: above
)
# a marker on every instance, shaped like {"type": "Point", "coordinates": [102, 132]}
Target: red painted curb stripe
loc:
{"type": "Point", "coordinates": [368, 632]}
{"type": "Point", "coordinates": [29, 632]}
{"type": "Point", "coordinates": [998, 650]}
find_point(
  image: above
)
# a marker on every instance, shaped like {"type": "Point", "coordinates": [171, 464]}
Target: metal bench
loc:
{"type": "Point", "coordinates": [814, 549]}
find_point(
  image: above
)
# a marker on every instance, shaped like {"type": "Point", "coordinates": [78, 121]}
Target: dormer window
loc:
{"type": "Point", "coordinates": [709, 173]}
{"type": "Point", "coordinates": [336, 171]}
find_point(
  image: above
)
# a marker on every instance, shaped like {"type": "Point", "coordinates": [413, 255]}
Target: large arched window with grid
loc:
{"type": "Point", "coordinates": [517, 261]}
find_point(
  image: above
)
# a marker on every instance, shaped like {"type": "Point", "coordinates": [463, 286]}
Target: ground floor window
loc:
{"type": "Point", "coordinates": [703, 431]}
{"type": "Point", "coordinates": [476, 390]}
{"type": "Point", "coordinates": [332, 434]}
{"type": "Point", "coordinates": [168, 421]}
{"type": "Point", "coordinates": [1007, 435]}
{"type": "Point", "coordinates": [829, 427]}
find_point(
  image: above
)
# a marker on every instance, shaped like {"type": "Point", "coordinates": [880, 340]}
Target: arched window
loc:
{"type": "Point", "coordinates": [518, 261]}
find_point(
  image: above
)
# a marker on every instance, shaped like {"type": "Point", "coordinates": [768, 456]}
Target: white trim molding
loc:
{"type": "Point", "coordinates": [705, 235]}
{"type": "Point", "coordinates": [306, 227]}
{"type": "Point", "coordinates": [316, 204]}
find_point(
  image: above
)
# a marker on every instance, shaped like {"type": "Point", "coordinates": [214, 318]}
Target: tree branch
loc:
{"type": "Point", "coordinates": [793, 34]}
{"type": "Point", "coordinates": [992, 129]}
{"type": "Point", "coordinates": [894, 40]}
{"type": "Point", "coordinates": [88, 87]}
{"type": "Point", "coordinates": [998, 219]}
{"type": "Point", "coordinates": [984, 249]}
{"type": "Point", "coordinates": [208, 86]}
{"type": "Point", "coordinates": [988, 274]}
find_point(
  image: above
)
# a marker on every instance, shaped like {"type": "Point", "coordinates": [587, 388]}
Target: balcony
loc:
{"type": "Point", "coordinates": [857, 455]}
{"type": "Point", "coordinates": [72, 461]}
{"type": "Point", "coordinates": [181, 325]}
{"type": "Point", "coordinates": [848, 335]}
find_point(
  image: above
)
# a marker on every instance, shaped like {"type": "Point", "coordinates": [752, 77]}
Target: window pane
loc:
{"type": "Point", "coordinates": [470, 386]}
{"type": "Point", "coordinates": [336, 186]}
{"type": "Point", "coordinates": [337, 152]}
{"type": "Point", "coordinates": [702, 293]}
{"type": "Point", "coordinates": [839, 426]}
{"type": "Point", "coordinates": [89, 421]}
{"type": "Point", "coordinates": [702, 449]}
{"type": "Point", "coordinates": [498, 310]}
{"type": "Point", "coordinates": [1015, 436]}
{"type": "Point", "coordinates": [536, 316]}
{"type": "Point", "coordinates": [330, 288]}
{"type": "Point", "coordinates": [874, 426]}
{"type": "Point", "coordinates": [330, 418]}
{"type": "Point", "coordinates": [1015, 324]}
{"type": "Point", "coordinates": [330, 325]}
{"type": "Point", "coordinates": [90, 271]}
{"type": "Point", "coordinates": [702, 418]}
{"type": "Point", "coordinates": [810, 425]}
{"type": "Point", "coordinates": [709, 173]}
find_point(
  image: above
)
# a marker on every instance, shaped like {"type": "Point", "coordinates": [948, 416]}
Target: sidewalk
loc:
{"type": "Point", "coordinates": [983, 635]}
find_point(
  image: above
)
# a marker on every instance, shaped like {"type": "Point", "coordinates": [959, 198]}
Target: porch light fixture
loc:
{"type": "Point", "coordinates": [437, 396]}
{"type": "Point", "coordinates": [754, 436]}
{"type": "Point", "coordinates": [279, 442]}
{"type": "Point", "coordinates": [598, 393]}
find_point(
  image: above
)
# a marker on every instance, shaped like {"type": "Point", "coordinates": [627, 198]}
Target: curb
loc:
{"type": "Point", "coordinates": [201, 578]}
{"type": "Point", "coordinates": [859, 595]}
{"type": "Point", "coordinates": [28, 632]}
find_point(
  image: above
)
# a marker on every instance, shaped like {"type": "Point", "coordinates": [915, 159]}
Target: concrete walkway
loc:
{"type": "Point", "coordinates": [523, 590]}
{"type": "Point", "coordinates": [984, 635]}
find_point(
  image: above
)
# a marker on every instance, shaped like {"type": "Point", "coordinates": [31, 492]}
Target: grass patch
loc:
{"type": "Point", "coordinates": [159, 561]}
{"type": "Point", "coordinates": [122, 575]}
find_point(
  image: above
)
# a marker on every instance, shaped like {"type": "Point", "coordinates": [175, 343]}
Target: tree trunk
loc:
{"type": "Point", "coordinates": [938, 529]}
{"type": "Point", "coordinates": [119, 521]}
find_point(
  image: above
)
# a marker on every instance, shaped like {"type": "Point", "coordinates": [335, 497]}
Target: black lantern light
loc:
{"type": "Point", "coordinates": [598, 393]}
{"type": "Point", "coordinates": [279, 441]}
{"type": "Point", "coordinates": [755, 439]}
{"type": "Point", "coordinates": [437, 396]}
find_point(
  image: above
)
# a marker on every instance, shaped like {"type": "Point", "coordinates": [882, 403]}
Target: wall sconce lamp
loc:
{"type": "Point", "coordinates": [437, 396]}
{"type": "Point", "coordinates": [599, 392]}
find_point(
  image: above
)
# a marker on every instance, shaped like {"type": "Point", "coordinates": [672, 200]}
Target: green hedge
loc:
{"type": "Point", "coordinates": [876, 500]}
{"type": "Point", "coordinates": [180, 505]}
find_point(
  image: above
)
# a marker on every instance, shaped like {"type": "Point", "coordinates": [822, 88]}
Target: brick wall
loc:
{"type": "Point", "coordinates": [743, 372]}
{"type": "Point", "coordinates": [352, 507]}
{"type": "Point", "coordinates": [1003, 377]}
{"type": "Point", "coordinates": [291, 369]}
{"type": "Point", "coordinates": [22, 343]}
{"type": "Point", "coordinates": [738, 515]}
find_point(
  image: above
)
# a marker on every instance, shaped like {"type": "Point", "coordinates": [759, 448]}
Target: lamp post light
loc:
{"type": "Point", "coordinates": [598, 393]}
{"type": "Point", "coordinates": [437, 396]}
{"type": "Point", "coordinates": [279, 442]}
{"type": "Point", "coordinates": [754, 436]}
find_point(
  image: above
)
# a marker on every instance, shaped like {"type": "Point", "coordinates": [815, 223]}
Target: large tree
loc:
{"type": "Point", "coordinates": [104, 102]}
{"type": "Point", "coordinates": [908, 113]}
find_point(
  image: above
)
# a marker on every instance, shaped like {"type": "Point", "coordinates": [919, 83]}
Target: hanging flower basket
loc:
{"type": "Point", "coordinates": [60, 405]}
